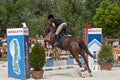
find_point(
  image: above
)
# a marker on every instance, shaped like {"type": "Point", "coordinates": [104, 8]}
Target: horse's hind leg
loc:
{"type": "Point", "coordinates": [86, 62]}
{"type": "Point", "coordinates": [79, 63]}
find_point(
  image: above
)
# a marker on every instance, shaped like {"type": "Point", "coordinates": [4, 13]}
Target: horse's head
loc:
{"type": "Point", "coordinates": [48, 27]}
{"type": "Point", "coordinates": [49, 30]}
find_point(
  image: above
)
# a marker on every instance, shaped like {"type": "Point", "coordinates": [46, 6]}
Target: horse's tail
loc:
{"type": "Point", "coordinates": [85, 49]}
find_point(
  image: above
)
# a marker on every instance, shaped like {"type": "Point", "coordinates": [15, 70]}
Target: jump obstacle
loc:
{"type": "Point", "coordinates": [17, 37]}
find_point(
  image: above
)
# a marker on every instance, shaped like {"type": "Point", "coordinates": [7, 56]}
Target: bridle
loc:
{"type": "Point", "coordinates": [49, 29]}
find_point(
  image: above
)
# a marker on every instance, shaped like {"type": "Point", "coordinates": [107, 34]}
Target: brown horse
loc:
{"type": "Point", "coordinates": [74, 45]}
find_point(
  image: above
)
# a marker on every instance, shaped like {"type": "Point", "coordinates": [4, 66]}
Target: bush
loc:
{"type": "Point", "coordinates": [105, 54]}
{"type": "Point", "coordinates": [37, 57]}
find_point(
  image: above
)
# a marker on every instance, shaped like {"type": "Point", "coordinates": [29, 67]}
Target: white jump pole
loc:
{"type": "Point", "coordinates": [93, 39]}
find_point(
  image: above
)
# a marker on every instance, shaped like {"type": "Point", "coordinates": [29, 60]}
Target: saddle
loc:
{"type": "Point", "coordinates": [62, 37]}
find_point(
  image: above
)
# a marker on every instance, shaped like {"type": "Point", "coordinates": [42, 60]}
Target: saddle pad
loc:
{"type": "Point", "coordinates": [62, 38]}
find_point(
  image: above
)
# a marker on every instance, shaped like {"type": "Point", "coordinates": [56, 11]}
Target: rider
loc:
{"type": "Point", "coordinates": [59, 24]}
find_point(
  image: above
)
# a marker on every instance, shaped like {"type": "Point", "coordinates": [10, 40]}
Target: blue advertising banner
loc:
{"type": "Point", "coordinates": [18, 51]}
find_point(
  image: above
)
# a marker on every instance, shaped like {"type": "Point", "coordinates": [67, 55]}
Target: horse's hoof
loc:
{"type": "Point", "coordinates": [90, 75]}
{"type": "Point", "coordinates": [83, 74]}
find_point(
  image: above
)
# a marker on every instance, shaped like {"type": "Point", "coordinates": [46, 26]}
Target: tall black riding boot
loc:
{"type": "Point", "coordinates": [56, 39]}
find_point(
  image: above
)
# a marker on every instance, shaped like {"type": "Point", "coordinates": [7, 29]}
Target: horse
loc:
{"type": "Point", "coordinates": [76, 46]}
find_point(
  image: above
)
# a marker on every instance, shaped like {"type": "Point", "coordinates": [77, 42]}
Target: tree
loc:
{"type": "Point", "coordinates": [107, 17]}
{"type": "Point", "coordinates": [66, 13]}
{"type": "Point", "coordinates": [33, 11]}
{"type": "Point", "coordinates": [36, 26]}
{"type": "Point", "coordinates": [71, 12]}
{"type": "Point", "coordinates": [91, 6]}
{"type": "Point", "coordinates": [14, 12]}
{"type": "Point", "coordinates": [77, 13]}
{"type": "Point", "coordinates": [117, 1]}
{"type": "Point", "coordinates": [39, 12]}
{"type": "Point", "coordinates": [3, 13]}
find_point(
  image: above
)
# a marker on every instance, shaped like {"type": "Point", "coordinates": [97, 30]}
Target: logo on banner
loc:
{"type": "Point", "coordinates": [15, 53]}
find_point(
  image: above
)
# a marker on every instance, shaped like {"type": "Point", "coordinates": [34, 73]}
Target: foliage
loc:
{"type": "Point", "coordinates": [91, 6]}
{"type": "Point", "coordinates": [2, 10]}
{"type": "Point", "coordinates": [36, 26]}
{"type": "Point", "coordinates": [105, 54]}
{"type": "Point", "coordinates": [17, 11]}
{"type": "Point", "coordinates": [66, 13]}
{"type": "Point", "coordinates": [108, 18]}
{"type": "Point", "coordinates": [77, 13]}
{"type": "Point", "coordinates": [73, 12]}
{"type": "Point", "coordinates": [37, 57]}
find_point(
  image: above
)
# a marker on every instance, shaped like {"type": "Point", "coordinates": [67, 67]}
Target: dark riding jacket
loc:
{"type": "Point", "coordinates": [57, 22]}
